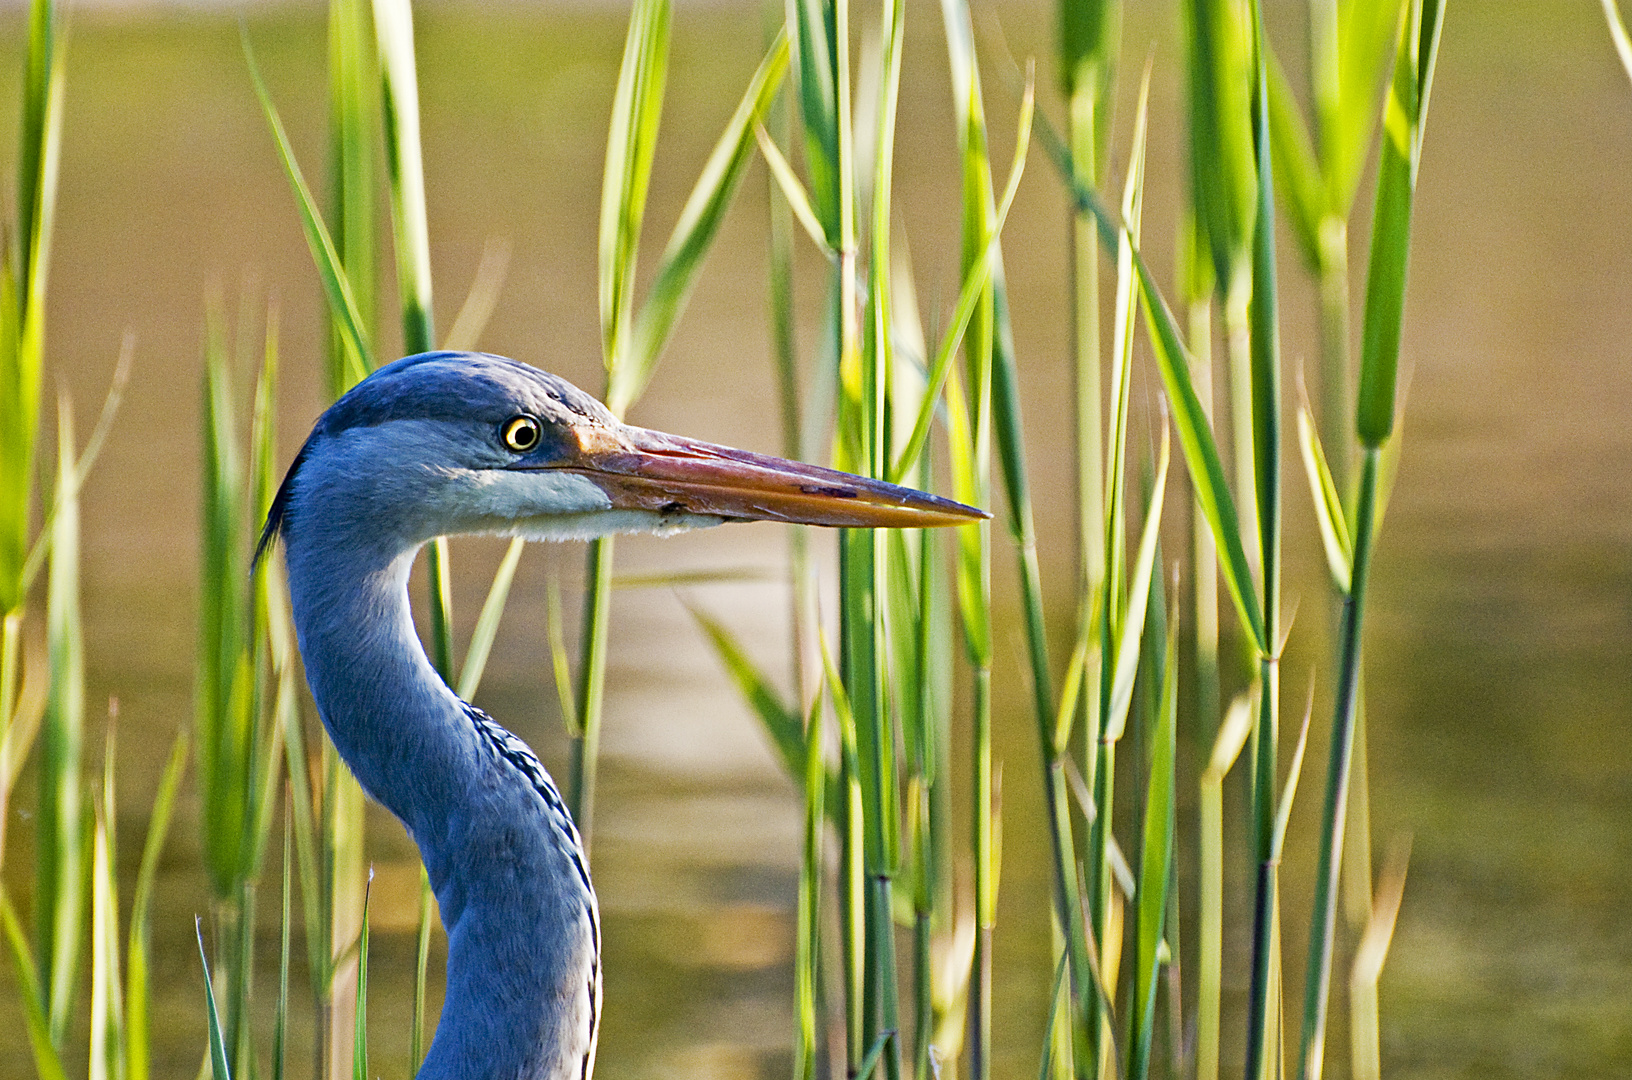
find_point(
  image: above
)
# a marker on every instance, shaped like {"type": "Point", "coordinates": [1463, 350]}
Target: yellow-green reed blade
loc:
{"type": "Point", "coordinates": [1334, 529]}
{"type": "Point", "coordinates": [637, 108]}
{"type": "Point", "coordinates": [487, 623]}
{"type": "Point", "coordinates": [354, 80]}
{"type": "Point", "coordinates": [139, 949]}
{"type": "Point", "coordinates": [394, 24]}
{"type": "Point", "coordinates": [1156, 860]}
{"type": "Point", "coordinates": [47, 1062]}
{"type": "Point", "coordinates": [217, 1044]}
{"type": "Point", "coordinates": [330, 270]}
{"type": "Point", "coordinates": [61, 845]}
{"type": "Point", "coordinates": [694, 233]}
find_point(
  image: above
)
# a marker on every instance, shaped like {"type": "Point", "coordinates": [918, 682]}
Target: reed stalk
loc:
{"type": "Point", "coordinates": [1416, 51]}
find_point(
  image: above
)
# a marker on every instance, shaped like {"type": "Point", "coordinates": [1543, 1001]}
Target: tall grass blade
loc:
{"type": "Point", "coordinates": [815, 42]}
{"type": "Point", "coordinates": [636, 110]}
{"type": "Point", "coordinates": [1297, 169]}
{"type": "Point", "coordinates": [107, 1038]}
{"type": "Point", "coordinates": [218, 1046]}
{"type": "Point", "coordinates": [1227, 746]}
{"type": "Point", "coordinates": [422, 957]}
{"type": "Point", "coordinates": [47, 1062]}
{"type": "Point", "coordinates": [977, 278]}
{"type": "Point", "coordinates": [1403, 120]}
{"type": "Point", "coordinates": [793, 191]}
{"type": "Point", "coordinates": [1156, 860]}
{"type": "Point", "coordinates": [280, 1014]}
{"type": "Point", "coordinates": [139, 949]}
{"type": "Point", "coordinates": [1365, 1036]}
{"type": "Point", "coordinates": [353, 123]}
{"type": "Point", "coordinates": [487, 623]}
{"type": "Point", "coordinates": [1617, 33]}
{"type": "Point", "coordinates": [60, 884]}
{"type": "Point", "coordinates": [482, 299]}
{"type": "Point", "coordinates": [782, 724]}
{"type": "Point", "coordinates": [1334, 529]}
{"type": "Point", "coordinates": [1126, 666]}
{"type": "Point", "coordinates": [330, 270]}
{"type": "Point", "coordinates": [359, 1046]}
{"type": "Point", "coordinates": [807, 945]}
{"type": "Point", "coordinates": [694, 233]}
{"type": "Point", "coordinates": [394, 23]}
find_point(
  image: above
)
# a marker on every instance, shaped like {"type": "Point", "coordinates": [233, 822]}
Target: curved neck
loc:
{"type": "Point", "coordinates": [523, 976]}
{"type": "Point", "coordinates": [392, 718]}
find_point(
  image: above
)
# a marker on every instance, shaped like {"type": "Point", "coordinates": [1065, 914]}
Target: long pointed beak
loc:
{"type": "Point", "coordinates": [649, 470]}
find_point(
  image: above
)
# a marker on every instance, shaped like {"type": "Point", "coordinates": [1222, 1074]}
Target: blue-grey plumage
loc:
{"type": "Point", "coordinates": [468, 443]}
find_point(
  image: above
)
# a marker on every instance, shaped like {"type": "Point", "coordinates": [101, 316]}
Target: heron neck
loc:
{"type": "Point", "coordinates": [394, 721]}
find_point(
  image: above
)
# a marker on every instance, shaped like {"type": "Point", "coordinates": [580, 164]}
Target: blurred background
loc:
{"type": "Point", "coordinates": [1499, 643]}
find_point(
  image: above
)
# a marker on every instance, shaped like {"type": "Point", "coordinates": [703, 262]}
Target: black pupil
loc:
{"type": "Point", "coordinates": [521, 433]}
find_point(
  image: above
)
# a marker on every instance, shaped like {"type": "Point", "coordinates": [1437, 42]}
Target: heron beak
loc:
{"type": "Point", "coordinates": [649, 470]}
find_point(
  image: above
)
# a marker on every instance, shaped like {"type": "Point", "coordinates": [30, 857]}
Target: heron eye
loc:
{"type": "Point", "coordinates": [520, 433]}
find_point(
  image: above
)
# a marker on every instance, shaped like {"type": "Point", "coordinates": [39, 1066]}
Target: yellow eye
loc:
{"type": "Point", "coordinates": [520, 433]}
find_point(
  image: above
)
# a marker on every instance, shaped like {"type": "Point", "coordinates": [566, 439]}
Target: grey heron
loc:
{"type": "Point", "coordinates": [445, 443]}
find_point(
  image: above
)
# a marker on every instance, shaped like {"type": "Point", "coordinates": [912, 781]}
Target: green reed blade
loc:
{"type": "Point", "coordinates": [560, 666]}
{"type": "Point", "coordinates": [1323, 921]}
{"type": "Point", "coordinates": [1156, 859]}
{"type": "Point", "coordinates": [815, 47]}
{"type": "Point", "coordinates": [359, 1045]}
{"type": "Point", "coordinates": [1365, 29]}
{"type": "Point", "coordinates": [694, 233]}
{"type": "Point", "coordinates": [852, 879]}
{"type": "Point", "coordinates": [1365, 1036]}
{"type": "Point", "coordinates": [223, 695]}
{"type": "Point", "coordinates": [106, 1045]}
{"type": "Point", "coordinates": [977, 277]}
{"type": "Point", "coordinates": [1201, 456]}
{"type": "Point", "coordinates": [1334, 529]}
{"type": "Point", "coordinates": [422, 960]}
{"type": "Point", "coordinates": [20, 375]}
{"type": "Point", "coordinates": [87, 456]}
{"type": "Point", "coordinates": [1090, 33]}
{"type": "Point", "coordinates": [1617, 33]}
{"type": "Point", "coordinates": [47, 1063]}
{"type": "Point", "coordinates": [482, 298]}
{"type": "Point", "coordinates": [793, 191]}
{"type": "Point", "coordinates": [1221, 141]}
{"type": "Point", "coordinates": [1403, 120]}
{"type": "Point", "coordinates": [280, 1012]}
{"type": "Point", "coordinates": [807, 943]}
{"type": "Point", "coordinates": [217, 1045]}
{"type": "Point", "coordinates": [32, 172]}
{"type": "Point", "coordinates": [591, 687]}
{"type": "Point", "coordinates": [140, 938]}
{"type": "Point", "coordinates": [1297, 169]}
{"type": "Point", "coordinates": [1126, 665]}
{"type": "Point", "coordinates": [784, 726]}
{"type": "Point", "coordinates": [394, 23]}
{"type": "Point", "coordinates": [1189, 416]}
{"type": "Point", "coordinates": [60, 884]}
{"type": "Point", "coordinates": [1283, 812]}
{"type": "Point", "coordinates": [1227, 746]}
{"type": "Point", "coordinates": [487, 623]}
{"type": "Point", "coordinates": [330, 271]}
{"type": "Point", "coordinates": [354, 81]}
{"type": "Point", "coordinates": [631, 142]}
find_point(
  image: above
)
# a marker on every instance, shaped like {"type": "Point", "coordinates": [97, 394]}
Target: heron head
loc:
{"type": "Point", "coordinates": [450, 442]}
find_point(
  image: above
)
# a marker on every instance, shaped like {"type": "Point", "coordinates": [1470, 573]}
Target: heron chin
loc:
{"type": "Point", "coordinates": [446, 443]}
